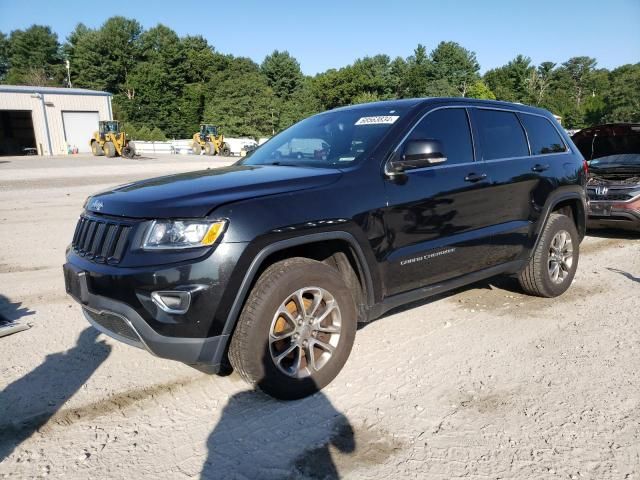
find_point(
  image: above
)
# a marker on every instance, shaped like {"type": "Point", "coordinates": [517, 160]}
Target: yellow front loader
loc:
{"type": "Point", "coordinates": [110, 141]}
{"type": "Point", "coordinates": [207, 139]}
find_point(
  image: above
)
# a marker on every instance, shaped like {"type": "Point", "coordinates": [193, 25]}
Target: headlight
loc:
{"type": "Point", "coordinates": [176, 234]}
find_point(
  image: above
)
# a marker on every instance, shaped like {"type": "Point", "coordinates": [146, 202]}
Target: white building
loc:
{"type": "Point", "coordinates": [49, 120]}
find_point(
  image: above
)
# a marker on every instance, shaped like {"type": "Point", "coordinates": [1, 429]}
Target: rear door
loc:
{"type": "Point", "coordinates": [436, 217]}
{"type": "Point", "coordinates": [521, 182]}
{"type": "Point", "coordinates": [79, 128]}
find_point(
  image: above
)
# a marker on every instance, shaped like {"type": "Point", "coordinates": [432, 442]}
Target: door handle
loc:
{"type": "Point", "coordinates": [474, 177]}
{"type": "Point", "coordinates": [538, 167]}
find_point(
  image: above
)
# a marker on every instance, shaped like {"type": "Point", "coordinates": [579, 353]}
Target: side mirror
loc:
{"type": "Point", "coordinates": [419, 154]}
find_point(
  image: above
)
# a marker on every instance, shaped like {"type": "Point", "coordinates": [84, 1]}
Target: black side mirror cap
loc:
{"type": "Point", "coordinates": [418, 154]}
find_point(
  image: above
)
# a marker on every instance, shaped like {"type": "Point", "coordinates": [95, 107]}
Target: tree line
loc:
{"type": "Point", "coordinates": [164, 85]}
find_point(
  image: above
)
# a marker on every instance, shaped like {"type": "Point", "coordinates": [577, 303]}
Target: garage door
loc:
{"type": "Point", "coordinates": [16, 133]}
{"type": "Point", "coordinates": [79, 128]}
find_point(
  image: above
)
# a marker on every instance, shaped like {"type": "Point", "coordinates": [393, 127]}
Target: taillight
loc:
{"type": "Point", "coordinates": [585, 167]}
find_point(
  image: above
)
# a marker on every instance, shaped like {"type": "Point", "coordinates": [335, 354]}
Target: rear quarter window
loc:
{"type": "Point", "coordinates": [501, 135]}
{"type": "Point", "coordinates": [543, 137]}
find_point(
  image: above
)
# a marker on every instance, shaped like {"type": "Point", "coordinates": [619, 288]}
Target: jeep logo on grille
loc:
{"type": "Point", "coordinates": [96, 205]}
{"type": "Point", "coordinates": [601, 190]}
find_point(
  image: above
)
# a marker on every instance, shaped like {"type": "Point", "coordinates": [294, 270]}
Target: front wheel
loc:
{"type": "Point", "coordinates": [109, 149]}
{"type": "Point", "coordinates": [296, 329]}
{"type": "Point", "coordinates": [225, 151]}
{"type": "Point", "coordinates": [96, 149]}
{"type": "Point", "coordinates": [209, 149]}
{"type": "Point", "coordinates": [196, 148]}
{"type": "Point", "coordinates": [553, 264]}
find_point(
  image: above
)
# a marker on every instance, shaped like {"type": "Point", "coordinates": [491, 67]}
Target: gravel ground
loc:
{"type": "Point", "coordinates": [483, 382]}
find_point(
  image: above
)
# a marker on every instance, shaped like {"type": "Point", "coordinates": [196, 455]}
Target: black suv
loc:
{"type": "Point", "coordinates": [268, 265]}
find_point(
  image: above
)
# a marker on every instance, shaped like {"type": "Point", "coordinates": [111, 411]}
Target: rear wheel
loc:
{"type": "Point", "coordinates": [225, 151]}
{"type": "Point", "coordinates": [209, 148]}
{"type": "Point", "coordinates": [96, 149]}
{"type": "Point", "coordinates": [554, 262]}
{"type": "Point", "coordinates": [109, 149]}
{"type": "Point", "coordinates": [128, 152]}
{"type": "Point", "coordinates": [296, 330]}
{"type": "Point", "coordinates": [197, 149]}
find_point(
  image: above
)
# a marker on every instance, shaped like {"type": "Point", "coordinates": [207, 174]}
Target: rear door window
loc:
{"type": "Point", "coordinates": [501, 135]}
{"type": "Point", "coordinates": [543, 137]}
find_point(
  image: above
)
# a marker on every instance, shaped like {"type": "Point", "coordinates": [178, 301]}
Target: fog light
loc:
{"type": "Point", "coordinates": [172, 301]}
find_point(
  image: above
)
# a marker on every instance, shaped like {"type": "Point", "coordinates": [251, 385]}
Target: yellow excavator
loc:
{"type": "Point", "coordinates": [207, 139]}
{"type": "Point", "coordinates": [110, 141]}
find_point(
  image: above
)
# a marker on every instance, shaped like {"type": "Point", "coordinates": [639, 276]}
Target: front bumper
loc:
{"type": "Point", "coordinates": [122, 322]}
{"type": "Point", "coordinates": [606, 215]}
{"type": "Point", "coordinates": [119, 302]}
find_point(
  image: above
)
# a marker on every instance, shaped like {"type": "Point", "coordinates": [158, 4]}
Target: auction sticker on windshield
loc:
{"type": "Point", "coordinates": [380, 120]}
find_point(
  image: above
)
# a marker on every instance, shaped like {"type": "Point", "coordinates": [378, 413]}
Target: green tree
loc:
{"type": "Point", "coordinates": [4, 56]}
{"type": "Point", "coordinates": [415, 81]}
{"type": "Point", "coordinates": [240, 100]}
{"type": "Point", "coordinates": [454, 69]}
{"type": "Point", "coordinates": [510, 82]}
{"type": "Point", "coordinates": [623, 99]}
{"type": "Point", "coordinates": [155, 85]}
{"type": "Point", "coordinates": [480, 90]}
{"type": "Point", "coordinates": [103, 59]}
{"type": "Point", "coordinates": [539, 81]}
{"type": "Point", "coordinates": [579, 70]}
{"type": "Point", "coordinates": [34, 57]}
{"type": "Point", "coordinates": [283, 73]}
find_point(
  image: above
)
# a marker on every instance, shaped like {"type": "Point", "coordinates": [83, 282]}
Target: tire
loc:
{"type": "Point", "coordinates": [109, 149]}
{"type": "Point", "coordinates": [128, 152]}
{"type": "Point", "coordinates": [253, 352]}
{"type": "Point", "coordinates": [197, 149]}
{"type": "Point", "coordinates": [225, 151]}
{"type": "Point", "coordinates": [538, 277]}
{"type": "Point", "coordinates": [209, 149]}
{"type": "Point", "coordinates": [96, 149]}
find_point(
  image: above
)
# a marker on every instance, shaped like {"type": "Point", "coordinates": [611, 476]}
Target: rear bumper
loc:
{"type": "Point", "coordinates": [123, 323]}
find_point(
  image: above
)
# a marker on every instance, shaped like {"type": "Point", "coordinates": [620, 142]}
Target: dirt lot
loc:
{"type": "Point", "coordinates": [480, 383]}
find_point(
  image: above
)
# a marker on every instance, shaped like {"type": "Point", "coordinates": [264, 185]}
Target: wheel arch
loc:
{"type": "Point", "coordinates": [328, 247]}
{"type": "Point", "coordinates": [571, 202]}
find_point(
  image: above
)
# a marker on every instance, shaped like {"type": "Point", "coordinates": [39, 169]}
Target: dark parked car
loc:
{"type": "Point", "coordinates": [613, 154]}
{"type": "Point", "coordinates": [268, 265]}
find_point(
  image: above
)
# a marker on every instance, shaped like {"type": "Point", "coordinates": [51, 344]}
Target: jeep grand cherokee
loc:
{"type": "Point", "coordinates": [268, 265]}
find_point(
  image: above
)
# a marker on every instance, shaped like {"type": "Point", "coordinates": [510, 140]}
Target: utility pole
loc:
{"type": "Point", "coordinates": [68, 73]}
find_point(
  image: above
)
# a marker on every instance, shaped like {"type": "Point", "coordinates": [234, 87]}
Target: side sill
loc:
{"type": "Point", "coordinates": [421, 293]}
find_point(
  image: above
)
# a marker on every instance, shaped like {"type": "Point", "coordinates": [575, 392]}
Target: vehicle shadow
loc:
{"type": "Point", "coordinates": [613, 233]}
{"type": "Point", "coordinates": [12, 311]}
{"type": "Point", "coordinates": [625, 274]}
{"type": "Point", "coordinates": [260, 437]}
{"type": "Point", "coordinates": [29, 402]}
{"type": "Point", "coordinates": [501, 282]}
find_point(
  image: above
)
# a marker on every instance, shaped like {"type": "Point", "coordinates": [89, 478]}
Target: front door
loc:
{"type": "Point", "coordinates": [438, 218]}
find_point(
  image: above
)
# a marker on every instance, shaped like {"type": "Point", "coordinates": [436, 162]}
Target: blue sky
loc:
{"type": "Point", "coordinates": [329, 34]}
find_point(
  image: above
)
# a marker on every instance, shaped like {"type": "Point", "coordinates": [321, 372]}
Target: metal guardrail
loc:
{"type": "Point", "coordinates": [184, 146]}
{"type": "Point", "coordinates": [173, 146]}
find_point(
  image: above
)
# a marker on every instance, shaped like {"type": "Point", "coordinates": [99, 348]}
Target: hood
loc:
{"type": "Point", "coordinates": [195, 194]}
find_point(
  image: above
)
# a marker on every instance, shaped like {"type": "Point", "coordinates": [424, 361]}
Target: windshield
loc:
{"type": "Point", "coordinates": [109, 127]}
{"type": "Point", "coordinates": [334, 139]}
{"type": "Point", "coordinates": [209, 130]}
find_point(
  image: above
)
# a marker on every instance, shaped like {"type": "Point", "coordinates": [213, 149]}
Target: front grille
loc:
{"type": "Point", "coordinates": [610, 197]}
{"type": "Point", "coordinates": [100, 240]}
{"type": "Point", "coordinates": [114, 324]}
